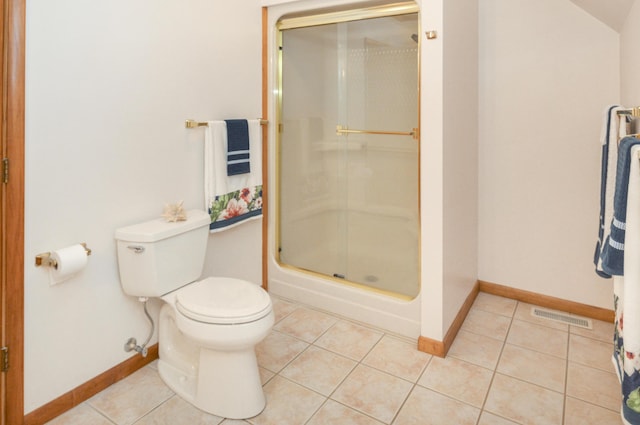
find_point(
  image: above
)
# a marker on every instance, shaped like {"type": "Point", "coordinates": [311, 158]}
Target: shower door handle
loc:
{"type": "Point", "coordinates": [340, 130]}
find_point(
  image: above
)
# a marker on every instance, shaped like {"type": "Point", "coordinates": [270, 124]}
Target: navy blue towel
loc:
{"type": "Point", "coordinates": [613, 249]}
{"type": "Point", "coordinates": [609, 119]}
{"type": "Point", "coordinates": [237, 147]}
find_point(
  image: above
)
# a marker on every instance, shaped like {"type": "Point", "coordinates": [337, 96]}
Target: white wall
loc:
{"type": "Point", "coordinates": [547, 71]}
{"type": "Point", "coordinates": [460, 202]}
{"type": "Point", "coordinates": [109, 85]}
{"type": "Point", "coordinates": [630, 58]}
{"type": "Point", "coordinates": [449, 155]}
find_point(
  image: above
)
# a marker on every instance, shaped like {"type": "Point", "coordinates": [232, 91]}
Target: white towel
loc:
{"type": "Point", "coordinates": [216, 181]}
{"type": "Point", "coordinates": [631, 300]}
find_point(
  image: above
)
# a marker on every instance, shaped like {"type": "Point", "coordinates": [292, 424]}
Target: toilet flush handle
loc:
{"type": "Point", "coordinates": [136, 248]}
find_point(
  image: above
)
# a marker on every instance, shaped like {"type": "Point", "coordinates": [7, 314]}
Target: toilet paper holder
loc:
{"type": "Point", "coordinates": [45, 259]}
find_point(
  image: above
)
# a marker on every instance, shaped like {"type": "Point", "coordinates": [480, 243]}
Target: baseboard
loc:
{"type": "Point", "coordinates": [441, 348]}
{"type": "Point", "coordinates": [90, 388]}
{"type": "Point", "coordinates": [547, 301]}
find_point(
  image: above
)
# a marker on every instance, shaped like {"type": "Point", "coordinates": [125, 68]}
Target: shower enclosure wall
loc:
{"type": "Point", "coordinates": [345, 227]}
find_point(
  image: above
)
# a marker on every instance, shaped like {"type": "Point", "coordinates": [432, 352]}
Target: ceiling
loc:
{"type": "Point", "coordinates": [611, 12]}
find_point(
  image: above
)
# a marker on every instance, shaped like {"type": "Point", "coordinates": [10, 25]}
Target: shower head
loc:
{"type": "Point", "coordinates": [414, 37]}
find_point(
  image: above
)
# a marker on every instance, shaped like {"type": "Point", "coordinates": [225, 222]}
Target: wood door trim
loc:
{"type": "Point", "coordinates": [13, 114]}
{"type": "Point", "coordinates": [265, 150]}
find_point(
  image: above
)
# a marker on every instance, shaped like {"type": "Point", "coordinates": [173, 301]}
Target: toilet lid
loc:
{"type": "Point", "coordinates": [223, 300]}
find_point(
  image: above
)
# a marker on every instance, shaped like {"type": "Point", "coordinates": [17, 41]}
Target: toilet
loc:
{"type": "Point", "coordinates": [208, 328]}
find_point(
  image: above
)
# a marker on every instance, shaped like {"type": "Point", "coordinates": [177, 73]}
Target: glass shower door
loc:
{"type": "Point", "coordinates": [347, 162]}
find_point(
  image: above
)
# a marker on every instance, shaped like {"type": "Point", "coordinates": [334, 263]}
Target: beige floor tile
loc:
{"type": "Point", "coordinates": [287, 403]}
{"type": "Point", "coordinates": [487, 418]}
{"type": "Point", "coordinates": [457, 379]}
{"type": "Point", "coordinates": [265, 375]}
{"type": "Point", "coordinates": [80, 415]}
{"type": "Point", "coordinates": [349, 339]}
{"type": "Point", "coordinates": [524, 403]}
{"type": "Point", "coordinates": [527, 388]}
{"type": "Point", "coordinates": [577, 412]}
{"type": "Point", "coordinates": [538, 338]}
{"type": "Point", "coordinates": [495, 304]}
{"type": "Point", "coordinates": [397, 357]}
{"type": "Point", "coordinates": [332, 413]}
{"type": "Point", "coordinates": [133, 397]}
{"type": "Point", "coordinates": [487, 324]}
{"type": "Point", "coordinates": [319, 370]}
{"type": "Point", "coordinates": [523, 312]}
{"type": "Point", "coordinates": [591, 352]}
{"type": "Point", "coordinates": [594, 386]}
{"type": "Point", "coordinates": [305, 324]}
{"type": "Point", "coordinates": [372, 392]}
{"type": "Point", "coordinates": [477, 349]}
{"type": "Point", "coordinates": [532, 366]}
{"type": "Point", "coordinates": [602, 331]}
{"type": "Point", "coordinates": [176, 411]}
{"type": "Point", "coordinates": [277, 350]}
{"type": "Point", "coordinates": [426, 407]}
{"type": "Point", "coordinates": [282, 308]}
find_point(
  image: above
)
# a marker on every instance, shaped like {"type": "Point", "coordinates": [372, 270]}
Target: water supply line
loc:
{"type": "Point", "coordinates": [132, 344]}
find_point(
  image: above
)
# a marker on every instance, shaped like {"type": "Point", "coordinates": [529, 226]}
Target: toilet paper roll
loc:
{"type": "Point", "coordinates": [70, 261]}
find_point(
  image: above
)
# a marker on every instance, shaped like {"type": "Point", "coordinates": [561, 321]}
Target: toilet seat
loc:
{"type": "Point", "coordinates": [223, 300]}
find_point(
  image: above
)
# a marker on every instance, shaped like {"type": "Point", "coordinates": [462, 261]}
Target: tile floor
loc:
{"type": "Point", "coordinates": [505, 367]}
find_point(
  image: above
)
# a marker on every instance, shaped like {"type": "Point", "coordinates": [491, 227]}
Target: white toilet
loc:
{"type": "Point", "coordinates": [208, 329]}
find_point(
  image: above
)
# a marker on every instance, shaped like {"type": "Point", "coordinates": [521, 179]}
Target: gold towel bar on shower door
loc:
{"type": "Point", "coordinates": [194, 124]}
{"type": "Point", "coordinates": [340, 130]}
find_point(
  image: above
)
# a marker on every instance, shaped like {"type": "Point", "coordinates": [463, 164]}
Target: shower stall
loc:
{"type": "Point", "coordinates": [346, 207]}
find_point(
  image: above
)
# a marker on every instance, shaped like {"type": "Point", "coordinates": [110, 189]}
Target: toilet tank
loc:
{"type": "Point", "coordinates": [157, 257]}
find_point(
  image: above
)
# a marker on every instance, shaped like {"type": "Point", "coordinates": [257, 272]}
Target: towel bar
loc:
{"type": "Point", "coordinates": [194, 123]}
{"type": "Point", "coordinates": [340, 130]}
{"type": "Point", "coordinates": [634, 112]}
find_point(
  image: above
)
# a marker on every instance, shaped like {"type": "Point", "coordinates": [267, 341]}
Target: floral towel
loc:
{"type": "Point", "coordinates": [235, 199]}
{"type": "Point", "coordinates": [628, 369]}
{"type": "Point", "coordinates": [235, 207]}
{"type": "Point", "coordinates": [626, 291]}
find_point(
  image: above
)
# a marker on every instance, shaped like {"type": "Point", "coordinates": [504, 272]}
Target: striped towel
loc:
{"type": "Point", "coordinates": [613, 248]}
{"type": "Point", "coordinates": [237, 147]}
{"type": "Point", "coordinates": [609, 140]}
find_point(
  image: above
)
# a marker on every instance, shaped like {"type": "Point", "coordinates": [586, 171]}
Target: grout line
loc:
{"type": "Point", "coordinates": [566, 376]}
{"type": "Point", "coordinates": [395, 416]}
{"type": "Point", "coordinates": [495, 368]}
{"type": "Point", "coordinates": [155, 408]}
{"type": "Point", "coordinates": [101, 414]}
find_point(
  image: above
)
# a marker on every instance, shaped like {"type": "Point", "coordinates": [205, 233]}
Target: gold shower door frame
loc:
{"type": "Point", "coordinates": [326, 18]}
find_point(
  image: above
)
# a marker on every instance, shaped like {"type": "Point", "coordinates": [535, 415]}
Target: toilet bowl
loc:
{"type": "Point", "coordinates": [197, 328]}
{"type": "Point", "coordinates": [208, 328]}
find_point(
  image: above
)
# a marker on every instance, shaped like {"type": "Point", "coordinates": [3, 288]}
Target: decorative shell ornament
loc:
{"type": "Point", "coordinates": [174, 212]}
